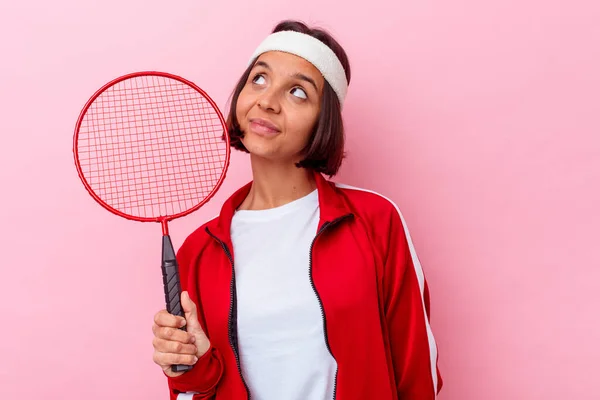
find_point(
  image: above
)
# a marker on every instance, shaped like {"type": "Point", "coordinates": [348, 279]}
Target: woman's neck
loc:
{"type": "Point", "coordinates": [275, 184]}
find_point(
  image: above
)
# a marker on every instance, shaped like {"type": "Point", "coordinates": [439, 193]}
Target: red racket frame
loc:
{"type": "Point", "coordinates": [163, 219]}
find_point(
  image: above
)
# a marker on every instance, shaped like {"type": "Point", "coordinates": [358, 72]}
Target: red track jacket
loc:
{"type": "Point", "coordinates": [368, 280]}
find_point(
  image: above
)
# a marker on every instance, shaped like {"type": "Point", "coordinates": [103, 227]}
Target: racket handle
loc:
{"type": "Point", "coordinates": [172, 287]}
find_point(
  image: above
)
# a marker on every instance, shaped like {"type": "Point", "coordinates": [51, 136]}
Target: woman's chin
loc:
{"type": "Point", "coordinates": [261, 150]}
{"type": "Point", "coordinates": [268, 149]}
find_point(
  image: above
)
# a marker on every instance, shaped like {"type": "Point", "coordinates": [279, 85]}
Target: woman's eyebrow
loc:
{"type": "Point", "coordinates": [298, 75]}
{"type": "Point", "coordinates": [307, 79]}
{"type": "Point", "coordinates": [262, 64]}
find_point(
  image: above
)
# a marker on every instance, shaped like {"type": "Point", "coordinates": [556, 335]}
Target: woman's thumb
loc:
{"type": "Point", "coordinates": [191, 313]}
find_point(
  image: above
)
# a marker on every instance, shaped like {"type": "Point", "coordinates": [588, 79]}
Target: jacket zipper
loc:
{"type": "Point", "coordinates": [232, 308]}
{"type": "Point", "coordinates": [325, 226]}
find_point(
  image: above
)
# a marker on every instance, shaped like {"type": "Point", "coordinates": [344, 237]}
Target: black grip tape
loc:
{"type": "Point", "coordinates": [172, 287]}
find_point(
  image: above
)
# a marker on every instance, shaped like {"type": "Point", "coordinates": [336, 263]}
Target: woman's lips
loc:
{"type": "Point", "coordinates": [263, 127]}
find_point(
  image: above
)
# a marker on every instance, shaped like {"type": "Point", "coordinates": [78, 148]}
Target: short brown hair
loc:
{"type": "Point", "coordinates": [325, 149]}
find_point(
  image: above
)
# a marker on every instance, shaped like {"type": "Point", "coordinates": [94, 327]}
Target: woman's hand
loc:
{"type": "Point", "coordinates": [174, 346]}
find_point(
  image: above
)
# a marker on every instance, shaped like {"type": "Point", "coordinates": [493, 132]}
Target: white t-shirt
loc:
{"type": "Point", "coordinates": [282, 347]}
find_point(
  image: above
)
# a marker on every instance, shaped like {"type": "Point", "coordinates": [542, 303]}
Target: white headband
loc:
{"type": "Point", "coordinates": [313, 51]}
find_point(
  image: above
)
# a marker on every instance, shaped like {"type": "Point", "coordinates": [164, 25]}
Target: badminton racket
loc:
{"type": "Point", "coordinates": [152, 147]}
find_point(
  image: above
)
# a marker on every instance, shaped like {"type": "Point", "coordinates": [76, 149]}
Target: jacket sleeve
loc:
{"type": "Point", "coordinates": [200, 382]}
{"type": "Point", "coordinates": [406, 307]}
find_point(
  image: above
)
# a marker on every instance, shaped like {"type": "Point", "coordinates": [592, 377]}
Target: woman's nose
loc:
{"type": "Point", "coordinates": [269, 101]}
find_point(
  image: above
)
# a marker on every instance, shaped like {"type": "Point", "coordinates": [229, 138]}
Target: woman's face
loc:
{"type": "Point", "coordinates": [279, 106]}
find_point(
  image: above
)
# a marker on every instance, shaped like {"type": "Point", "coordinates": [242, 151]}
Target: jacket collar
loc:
{"type": "Point", "coordinates": [332, 206]}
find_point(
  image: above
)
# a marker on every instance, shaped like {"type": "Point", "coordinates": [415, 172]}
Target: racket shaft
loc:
{"type": "Point", "coordinates": [172, 286]}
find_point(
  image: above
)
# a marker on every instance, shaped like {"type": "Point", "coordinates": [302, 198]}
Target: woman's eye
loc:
{"type": "Point", "coordinates": [259, 79]}
{"type": "Point", "coordinates": [299, 92]}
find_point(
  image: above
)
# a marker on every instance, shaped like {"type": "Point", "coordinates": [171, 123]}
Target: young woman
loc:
{"type": "Point", "coordinates": [301, 289]}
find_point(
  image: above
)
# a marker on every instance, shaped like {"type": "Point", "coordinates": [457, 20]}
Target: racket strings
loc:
{"type": "Point", "coordinates": [151, 146]}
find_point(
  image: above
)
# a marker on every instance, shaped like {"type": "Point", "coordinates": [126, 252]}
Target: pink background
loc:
{"type": "Point", "coordinates": [481, 119]}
